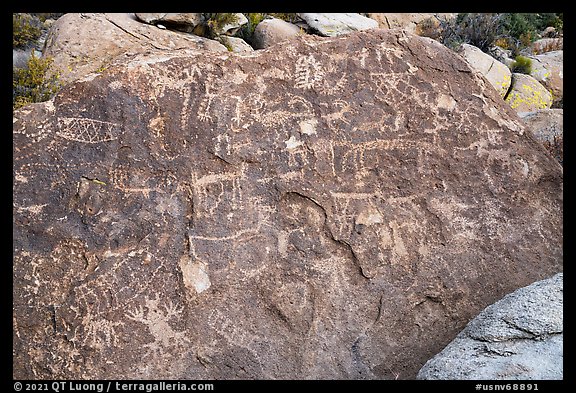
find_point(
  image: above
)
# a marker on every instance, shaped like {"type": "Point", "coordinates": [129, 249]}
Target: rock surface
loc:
{"type": "Point", "coordinates": [232, 27]}
{"type": "Point", "coordinates": [545, 124]}
{"type": "Point", "coordinates": [548, 69]}
{"type": "Point", "coordinates": [527, 95]}
{"type": "Point", "coordinates": [181, 21]}
{"type": "Point", "coordinates": [497, 73]}
{"type": "Point", "coordinates": [544, 45]}
{"type": "Point", "coordinates": [103, 37]}
{"type": "Point", "coordinates": [235, 44]}
{"type": "Point", "coordinates": [333, 24]}
{"type": "Point", "coordinates": [328, 208]}
{"type": "Point", "coordinates": [518, 337]}
{"type": "Point", "coordinates": [409, 21]}
{"type": "Point", "coordinates": [272, 31]}
{"type": "Point", "coordinates": [20, 57]}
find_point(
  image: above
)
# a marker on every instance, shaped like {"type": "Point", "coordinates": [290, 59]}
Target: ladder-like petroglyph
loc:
{"type": "Point", "coordinates": [308, 72]}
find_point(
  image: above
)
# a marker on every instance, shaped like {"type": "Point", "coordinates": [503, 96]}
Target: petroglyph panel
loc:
{"type": "Point", "coordinates": [276, 215]}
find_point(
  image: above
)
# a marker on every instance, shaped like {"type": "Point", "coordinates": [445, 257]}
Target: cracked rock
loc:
{"type": "Point", "coordinates": [520, 337]}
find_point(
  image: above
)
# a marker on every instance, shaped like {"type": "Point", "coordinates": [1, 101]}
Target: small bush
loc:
{"type": "Point", "coordinates": [430, 27]}
{"type": "Point", "coordinates": [522, 65]}
{"type": "Point", "coordinates": [32, 84]}
{"type": "Point", "coordinates": [214, 22]}
{"type": "Point", "coordinates": [503, 43]}
{"type": "Point", "coordinates": [288, 17]}
{"type": "Point", "coordinates": [25, 30]}
{"type": "Point", "coordinates": [480, 30]}
{"type": "Point", "coordinates": [247, 31]}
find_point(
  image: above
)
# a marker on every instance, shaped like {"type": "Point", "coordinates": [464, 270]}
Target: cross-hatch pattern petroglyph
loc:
{"type": "Point", "coordinates": [86, 130]}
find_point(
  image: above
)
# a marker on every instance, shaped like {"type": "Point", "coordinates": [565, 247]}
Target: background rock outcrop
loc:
{"type": "Point", "coordinates": [333, 24]}
{"type": "Point", "coordinates": [411, 21]}
{"type": "Point", "coordinates": [272, 31]}
{"type": "Point", "coordinates": [518, 337]}
{"type": "Point", "coordinates": [498, 74]}
{"type": "Point", "coordinates": [181, 21]}
{"type": "Point", "coordinates": [548, 69]}
{"type": "Point", "coordinates": [527, 94]}
{"type": "Point", "coordinates": [545, 124]}
{"type": "Point", "coordinates": [328, 208]}
{"type": "Point", "coordinates": [103, 37]}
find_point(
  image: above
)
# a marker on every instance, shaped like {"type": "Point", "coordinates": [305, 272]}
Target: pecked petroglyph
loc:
{"type": "Point", "coordinates": [276, 215]}
{"type": "Point", "coordinates": [86, 130]}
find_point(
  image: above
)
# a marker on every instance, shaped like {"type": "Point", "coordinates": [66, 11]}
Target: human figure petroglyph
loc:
{"type": "Point", "coordinates": [159, 318]}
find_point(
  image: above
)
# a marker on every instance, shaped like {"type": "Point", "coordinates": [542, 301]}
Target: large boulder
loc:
{"type": "Point", "coordinates": [180, 21]}
{"type": "Point", "coordinates": [235, 44]}
{"type": "Point", "coordinates": [81, 44]}
{"type": "Point", "coordinates": [20, 57]}
{"type": "Point", "coordinates": [229, 24]}
{"type": "Point", "coordinates": [544, 45]}
{"type": "Point", "coordinates": [272, 31]}
{"type": "Point", "coordinates": [527, 95]}
{"type": "Point", "coordinates": [333, 24]}
{"type": "Point", "coordinates": [545, 124]}
{"type": "Point", "coordinates": [498, 74]}
{"type": "Point", "coordinates": [327, 208]}
{"type": "Point", "coordinates": [548, 69]}
{"type": "Point", "coordinates": [518, 337]}
{"type": "Point", "coordinates": [413, 22]}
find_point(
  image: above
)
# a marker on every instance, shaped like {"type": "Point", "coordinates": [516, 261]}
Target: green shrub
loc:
{"type": "Point", "coordinates": [527, 26]}
{"type": "Point", "coordinates": [480, 30]}
{"type": "Point", "coordinates": [33, 84]}
{"type": "Point", "coordinates": [25, 30]}
{"type": "Point", "coordinates": [288, 17]}
{"type": "Point", "coordinates": [522, 65]}
{"type": "Point", "coordinates": [247, 30]}
{"type": "Point", "coordinates": [214, 22]}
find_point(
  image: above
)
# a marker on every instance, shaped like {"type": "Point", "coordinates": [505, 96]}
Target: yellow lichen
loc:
{"type": "Point", "coordinates": [530, 97]}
